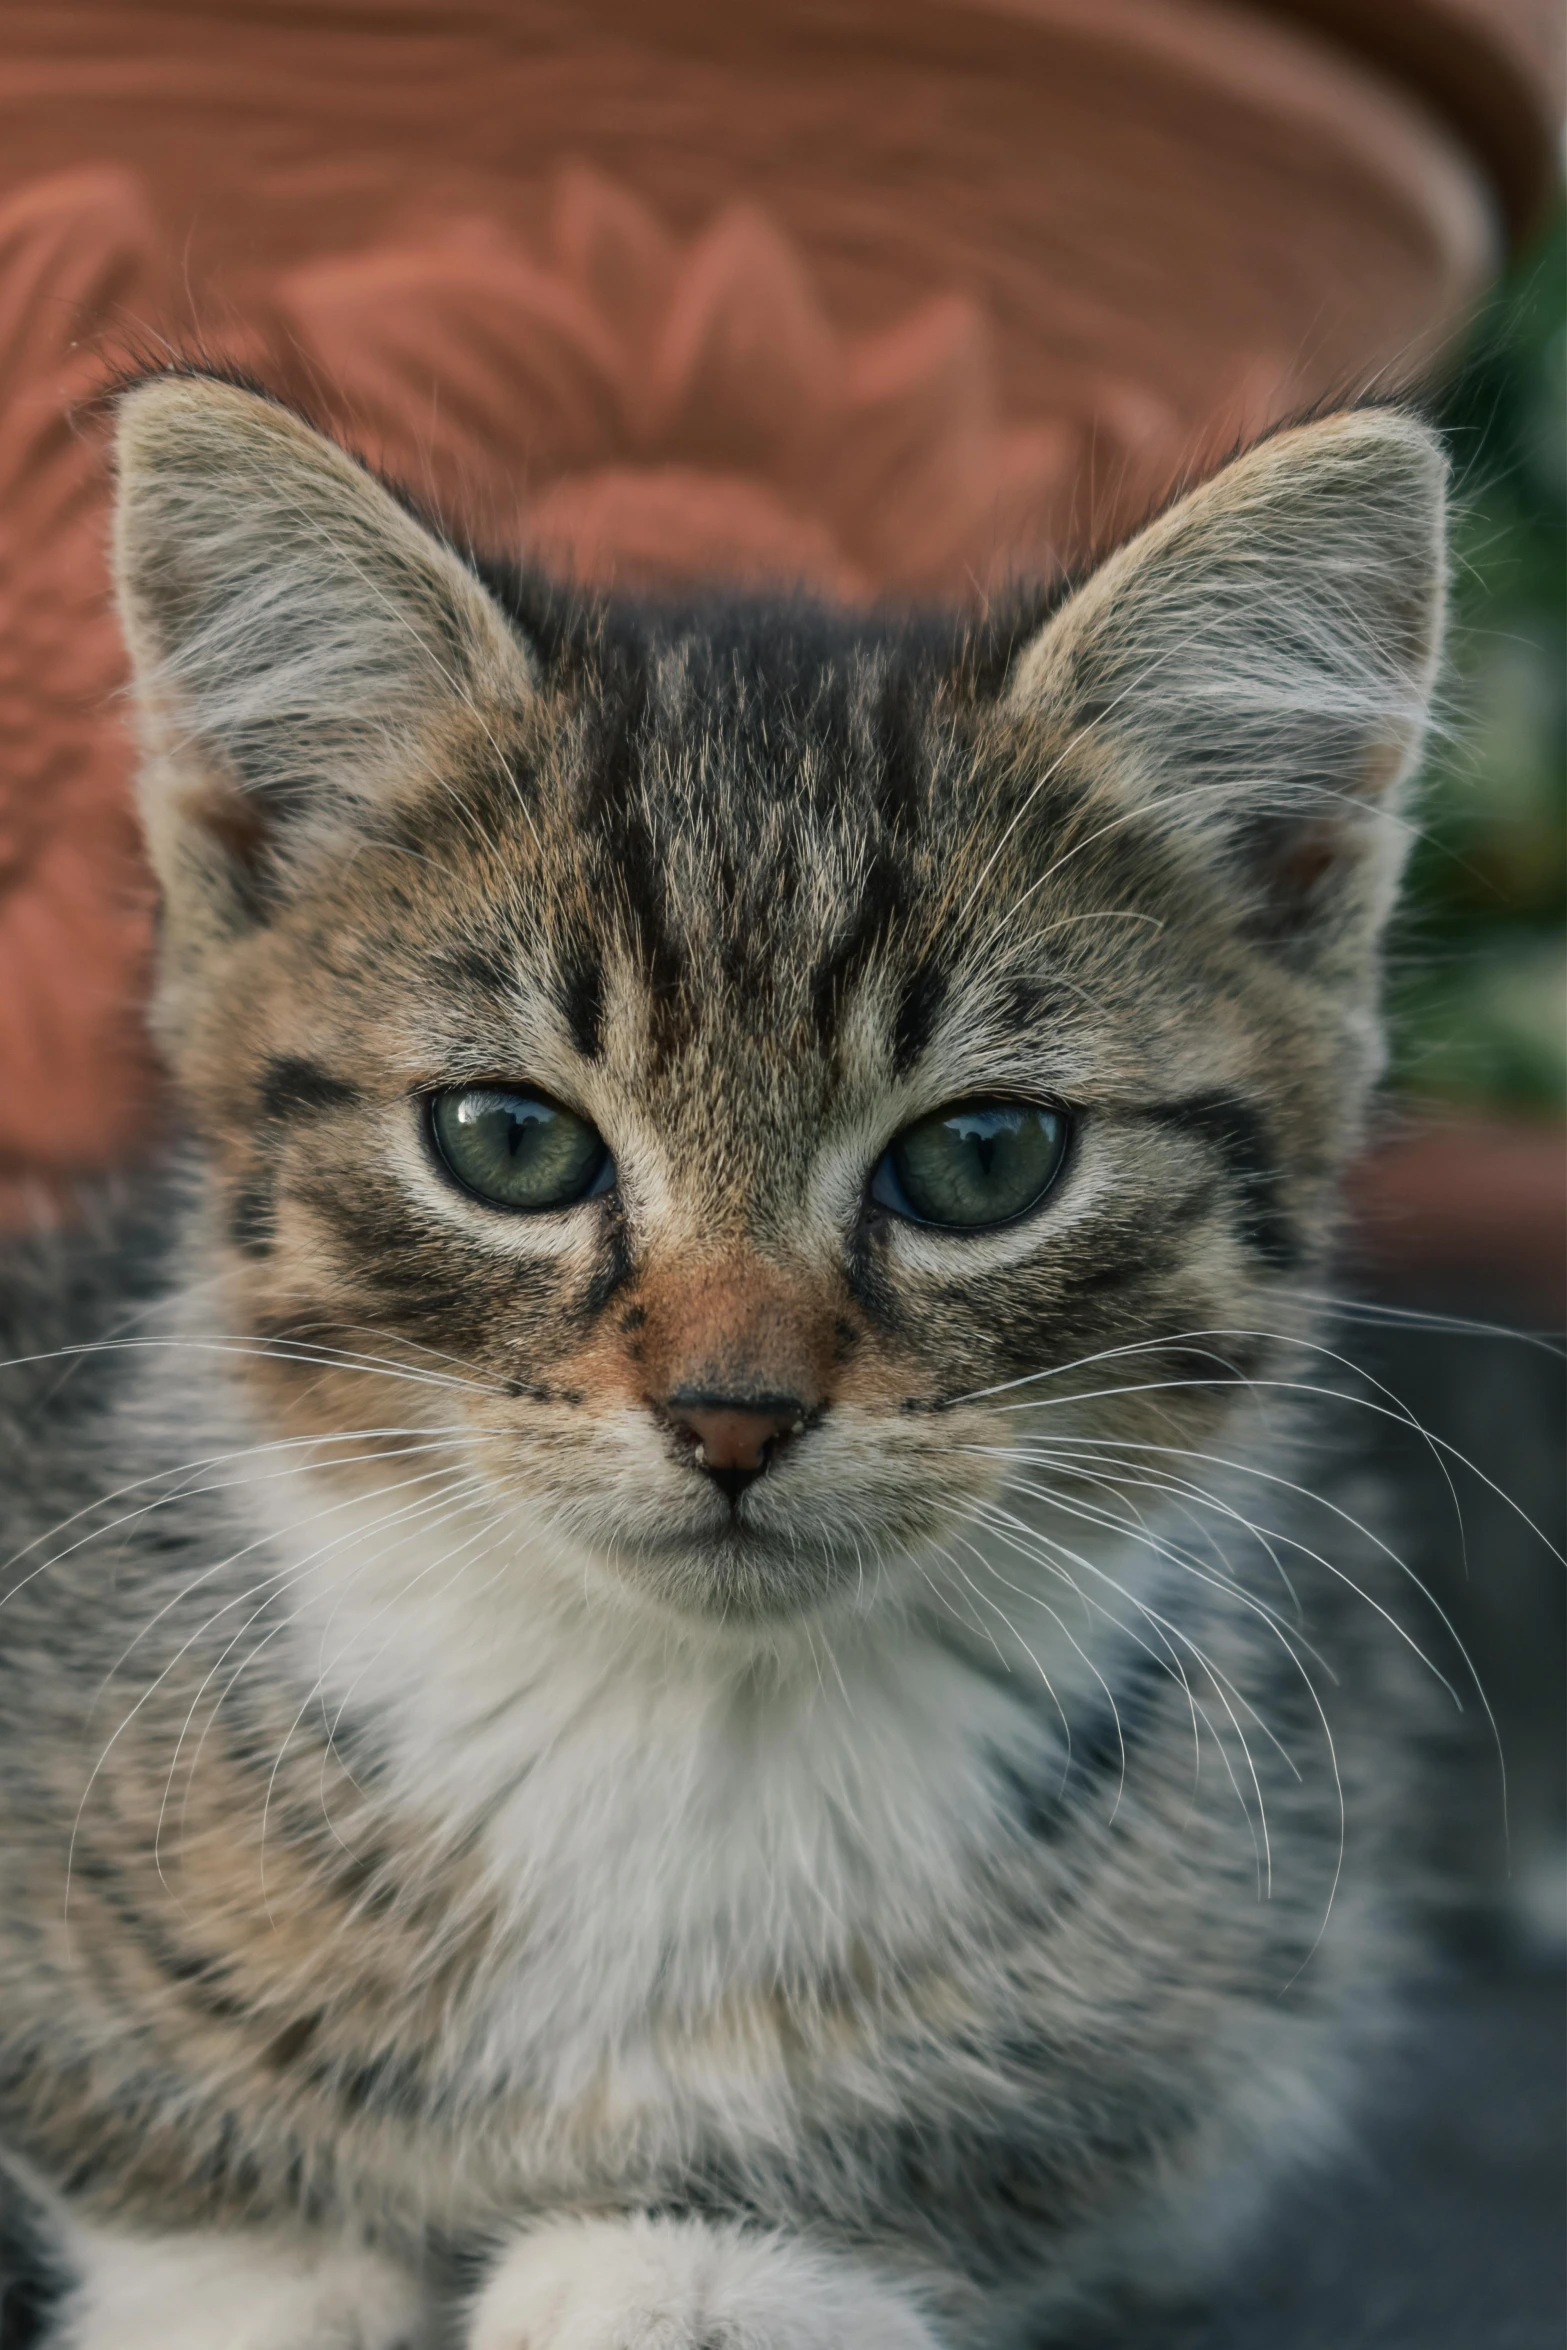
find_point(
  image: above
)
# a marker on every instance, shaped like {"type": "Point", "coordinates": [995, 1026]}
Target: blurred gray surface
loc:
{"type": "Point", "coordinates": [1449, 2232]}
{"type": "Point", "coordinates": [1498, 1405]}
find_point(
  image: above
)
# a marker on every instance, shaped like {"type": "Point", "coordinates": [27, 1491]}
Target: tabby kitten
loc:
{"type": "Point", "coordinates": [662, 1678]}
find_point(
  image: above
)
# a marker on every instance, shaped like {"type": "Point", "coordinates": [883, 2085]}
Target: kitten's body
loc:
{"type": "Point", "coordinates": [885, 1909]}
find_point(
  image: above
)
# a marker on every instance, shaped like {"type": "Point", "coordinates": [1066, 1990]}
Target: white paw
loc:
{"type": "Point", "coordinates": [235, 2293]}
{"type": "Point", "coordinates": [646, 2284]}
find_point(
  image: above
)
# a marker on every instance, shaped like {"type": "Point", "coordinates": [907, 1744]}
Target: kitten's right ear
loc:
{"type": "Point", "coordinates": [304, 652]}
{"type": "Point", "coordinates": [1253, 673]}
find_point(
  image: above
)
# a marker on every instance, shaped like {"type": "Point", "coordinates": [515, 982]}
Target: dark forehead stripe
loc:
{"type": "Point", "coordinates": [611, 808]}
{"type": "Point", "coordinates": [1238, 1133]}
{"type": "Point", "coordinates": [859, 945]}
{"type": "Point", "coordinates": [579, 993]}
{"type": "Point", "coordinates": [920, 999]}
{"type": "Point", "coordinates": [482, 963]}
{"type": "Point", "coordinates": [294, 1088]}
{"type": "Point", "coordinates": [718, 764]}
{"type": "Point", "coordinates": [290, 1090]}
{"type": "Point", "coordinates": [287, 1091]}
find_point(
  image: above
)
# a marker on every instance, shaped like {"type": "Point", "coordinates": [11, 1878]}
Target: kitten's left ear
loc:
{"type": "Point", "coordinates": [305, 652]}
{"type": "Point", "coordinates": [1253, 673]}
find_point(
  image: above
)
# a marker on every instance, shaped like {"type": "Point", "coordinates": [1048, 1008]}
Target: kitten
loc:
{"type": "Point", "coordinates": [663, 1679]}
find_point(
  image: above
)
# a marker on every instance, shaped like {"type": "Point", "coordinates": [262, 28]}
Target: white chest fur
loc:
{"type": "Point", "coordinates": [671, 1826]}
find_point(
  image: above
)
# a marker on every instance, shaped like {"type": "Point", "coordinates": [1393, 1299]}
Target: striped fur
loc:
{"type": "Point", "coordinates": [465, 1880]}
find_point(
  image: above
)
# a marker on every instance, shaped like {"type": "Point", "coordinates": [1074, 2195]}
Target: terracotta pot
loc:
{"type": "Point", "coordinates": [886, 296]}
{"type": "Point", "coordinates": [1468, 1210]}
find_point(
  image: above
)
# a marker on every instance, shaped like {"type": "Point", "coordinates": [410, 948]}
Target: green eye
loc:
{"type": "Point", "coordinates": [518, 1150]}
{"type": "Point", "coordinates": [973, 1164]}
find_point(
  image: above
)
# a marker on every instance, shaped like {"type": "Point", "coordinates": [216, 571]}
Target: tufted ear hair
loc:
{"type": "Point", "coordinates": [1254, 671]}
{"type": "Point", "coordinates": [304, 652]}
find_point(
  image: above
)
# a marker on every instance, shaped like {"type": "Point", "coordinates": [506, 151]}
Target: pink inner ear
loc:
{"type": "Point", "coordinates": [1380, 771]}
{"type": "Point", "coordinates": [1297, 859]}
{"type": "Point", "coordinates": [1310, 858]}
{"type": "Point", "coordinates": [234, 820]}
{"type": "Point", "coordinates": [1295, 863]}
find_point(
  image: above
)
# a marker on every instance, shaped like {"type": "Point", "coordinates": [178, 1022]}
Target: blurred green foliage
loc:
{"type": "Point", "coordinates": [1480, 963]}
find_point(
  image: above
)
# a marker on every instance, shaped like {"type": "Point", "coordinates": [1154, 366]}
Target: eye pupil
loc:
{"type": "Point", "coordinates": [518, 1150]}
{"type": "Point", "coordinates": [973, 1165]}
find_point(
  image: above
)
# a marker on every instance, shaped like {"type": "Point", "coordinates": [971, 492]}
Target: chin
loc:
{"type": "Point", "coordinates": [736, 1572]}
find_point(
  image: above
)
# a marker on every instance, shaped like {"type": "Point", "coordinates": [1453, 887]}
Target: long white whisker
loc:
{"type": "Point", "coordinates": [193, 1467]}
{"type": "Point", "coordinates": [438, 1439]}
{"type": "Point", "coordinates": [1347, 1518]}
{"type": "Point", "coordinates": [409, 1514]}
{"type": "Point", "coordinates": [1023, 1534]}
{"type": "Point", "coordinates": [430, 1568]}
{"type": "Point", "coordinates": [1395, 1410]}
{"type": "Point", "coordinates": [1041, 1550]}
{"type": "Point", "coordinates": [271, 1350]}
{"type": "Point", "coordinates": [1183, 1491]}
{"type": "Point", "coordinates": [1221, 1681]}
{"type": "Point", "coordinates": [1339, 1574]}
{"type": "Point", "coordinates": [1361, 1309]}
{"type": "Point", "coordinates": [1067, 1634]}
{"type": "Point", "coordinates": [393, 1453]}
{"type": "Point", "coordinates": [147, 1693]}
{"type": "Point", "coordinates": [331, 1726]}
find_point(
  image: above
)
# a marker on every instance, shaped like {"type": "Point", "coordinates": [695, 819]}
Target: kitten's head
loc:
{"type": "Point", "coordinates": [766, 1065]}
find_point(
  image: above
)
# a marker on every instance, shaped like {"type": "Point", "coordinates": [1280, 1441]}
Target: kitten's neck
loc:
{"type": "Point", "coordinates": [661, 1812]}
{"type": "Point", "coordinates": [757, 1797]}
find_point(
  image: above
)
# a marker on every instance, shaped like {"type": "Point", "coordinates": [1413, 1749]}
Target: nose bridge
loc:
{"type": "Point", "coordinates": [733, 1327]}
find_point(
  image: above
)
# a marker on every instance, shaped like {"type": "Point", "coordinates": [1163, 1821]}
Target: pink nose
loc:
{"type": "Point", "coordinates": [734, 1439]}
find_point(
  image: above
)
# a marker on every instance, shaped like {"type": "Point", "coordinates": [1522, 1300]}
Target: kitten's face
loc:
{"type": "Point", "coordinates": [721, 916]}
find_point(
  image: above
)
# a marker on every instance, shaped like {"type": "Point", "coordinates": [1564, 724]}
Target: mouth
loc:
{"type": "Point", "coordinates": [736, 1535]}
{"type": "Point", "coordinates": [793, 1538]}
{"type": "Point", "coordinates": [721, 1557]}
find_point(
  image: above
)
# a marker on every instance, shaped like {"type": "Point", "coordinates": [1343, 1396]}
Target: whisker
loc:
{"type": "Point", "coordinates": [1228, 1589]}
{"type": "Point", "coordinates": [1347, 1518]}
{"type": "Point", "coordinates": [245, 1345]}
{"type": "Point", "coordinates": [1065, 1630]}
{"type": "Point", "coordinates": [1048, 1554]}
{"type": "Point", "coordinates": [1395, 1410]}
{"type": "Point", "coordinates": [195, 1492]}
{"type": "Point", "coordinates": [409, 1514]}
{"type": "Point", "coordinates": [1199, 1715]}
{"type": "Point", "coordinates": [1184, 1491]}
{"type": "Point", "coordinates": [1223, 1686]}
{"type": "Point", "coordinates": [1339, 1574]}
{"type": "Point", "coordinates": [431, 1567]}
{"type": "Point", "coordinates": [393, 1453]}
{"type": "Point", "coordinates": [1360, 1309]}
{"type": "Point", "coordinates": [148, 1692]}
{"type": "Point", "coordinates": [330, 1726]}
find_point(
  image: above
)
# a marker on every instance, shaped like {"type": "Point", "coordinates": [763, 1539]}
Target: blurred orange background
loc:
{"type": "Point", "coordinates": [887, 299]}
